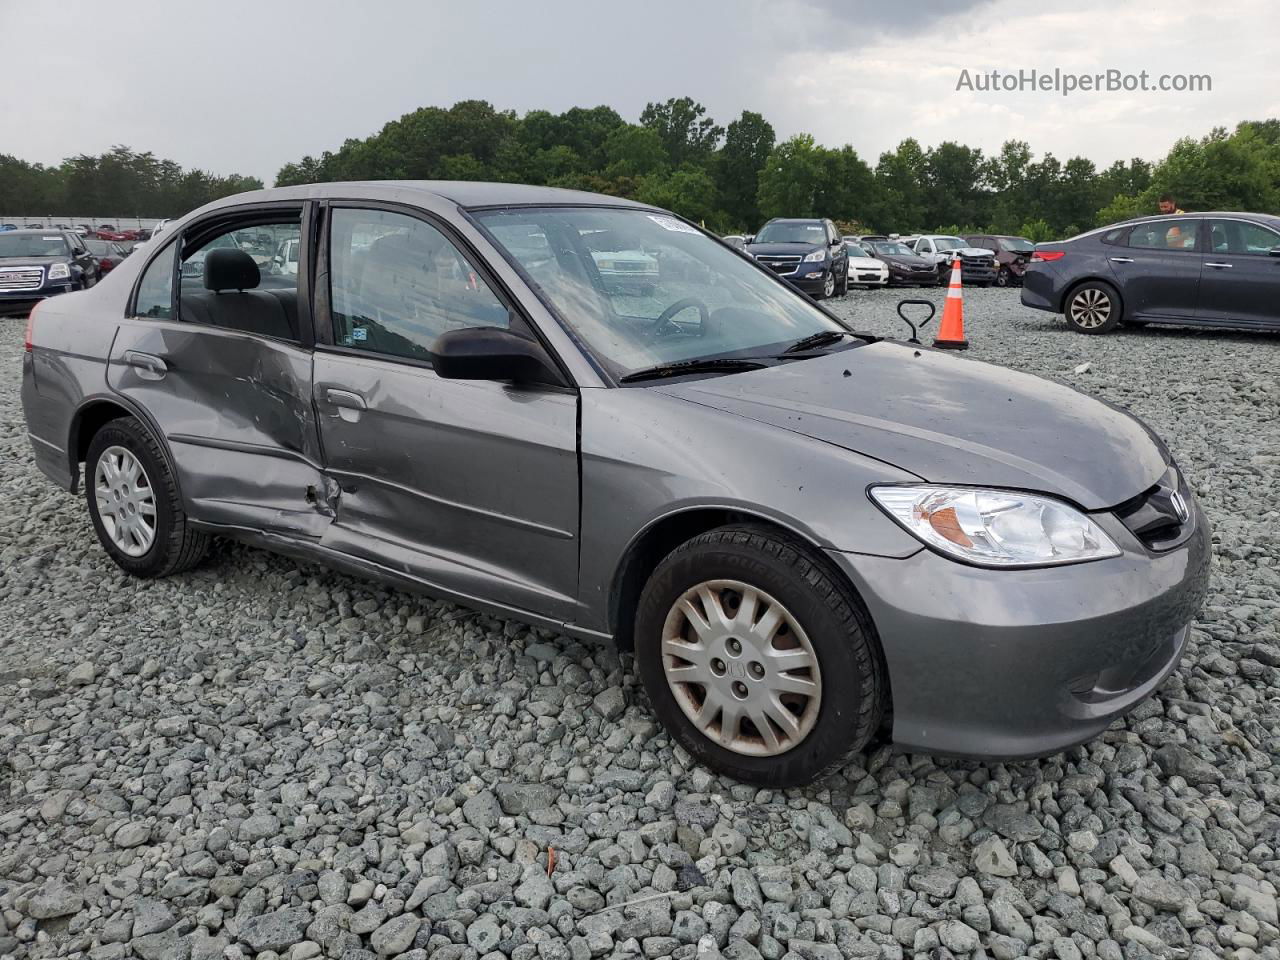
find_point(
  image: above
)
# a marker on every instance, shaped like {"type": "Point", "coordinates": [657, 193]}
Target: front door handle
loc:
{"type": "Point", "coordinates": [344, 398]}
{"type": "Point", "coordinates": [1122, 259]}
{"type": "Point", "coordinates": [149, 366]}
{"type": "Point", "coordinates": [1220, 266]}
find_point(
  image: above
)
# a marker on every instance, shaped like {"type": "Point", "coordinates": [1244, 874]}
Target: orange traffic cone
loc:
{"type": "Point", "coordinates": [951, 332]}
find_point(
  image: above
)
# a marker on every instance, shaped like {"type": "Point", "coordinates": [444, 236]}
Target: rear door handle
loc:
{"type": "Point", "coordinates": [344, 398]}
{"type": "Point", "coordinates": [1220, 266]}
{"type": "Point", "coordinates": [1122, 259]}
{"type": "Point", "coordinates": [149, 366]}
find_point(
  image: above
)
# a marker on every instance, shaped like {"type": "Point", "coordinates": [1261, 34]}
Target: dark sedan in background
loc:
{"type": "Point", "coordinates": [36, 264]}
{"type": "Point", "coordinates": [1203, 269]}
{"type": "Point", "coordinates": [905, 265]}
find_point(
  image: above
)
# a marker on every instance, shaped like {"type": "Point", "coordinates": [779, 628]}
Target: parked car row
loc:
{"type": "Point", "coordinates": [37, 264]}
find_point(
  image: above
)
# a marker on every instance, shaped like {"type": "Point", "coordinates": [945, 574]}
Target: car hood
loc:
{"type": "Point", "coordinates": [949, 419]}
{"type": "Point", "coordinates": [786, 249]}
{"type": "Point", "coordinates": [972, 252]}
{"type": "Point", "coordinates": [864, 263]}
{"type": "Point", "coordinates": [31, 261]}
{"type": "Point", "coordinates": [900, 260]}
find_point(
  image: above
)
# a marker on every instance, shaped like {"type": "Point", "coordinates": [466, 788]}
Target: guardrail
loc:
{"type": "Point", "coordinates": [53, 221]}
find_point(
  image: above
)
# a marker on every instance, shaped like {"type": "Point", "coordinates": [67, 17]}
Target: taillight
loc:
{"type": "Point", "coordinates": [1047, 255]}
{"type": "Point", "coordinates": [31, 326]}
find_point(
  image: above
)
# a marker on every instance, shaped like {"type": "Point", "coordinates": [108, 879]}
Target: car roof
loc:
{"type": "Point", "coordinates": [1271, 218]}
{"type": "Point", "coordinates": [32, 231]}
{"type": "Point", "coordinates": [468, 194]}
{"type": "Point", "coordinates": [798, 220]}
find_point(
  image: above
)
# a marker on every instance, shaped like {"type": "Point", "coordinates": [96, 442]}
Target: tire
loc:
{"type": "Point", "coordinates": [822, 623]}
{"type": "Point", "coordinates": [1004, 278]}
{"type": "Point", "coordinates": [844, 282]}
{"type": "Point", "coordinates": [1092, 308]}
{"type": "Point", "coordinates": [173, 545]}
{"type": "Point", "coordinates": [828, 286]}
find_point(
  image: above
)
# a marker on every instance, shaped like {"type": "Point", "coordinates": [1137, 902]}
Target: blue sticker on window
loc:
{"type": "Point", "coordinates": [360, 334]}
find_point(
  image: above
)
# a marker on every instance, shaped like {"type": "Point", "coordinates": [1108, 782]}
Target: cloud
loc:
{"type": "Point", "coordinates": [245, 86]}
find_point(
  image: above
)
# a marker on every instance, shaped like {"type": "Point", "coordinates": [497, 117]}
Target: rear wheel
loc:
{"type": "Point", "coordinates": [759, 661]}
{"type": "Point", "coordinates": [134, 503]}
{"type": "Point", "coordinates": [1093, 308]}
{"type": "Point", "coordinates": [844, 281]}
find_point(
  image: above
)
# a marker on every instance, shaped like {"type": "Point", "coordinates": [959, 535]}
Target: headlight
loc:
{"type": "Point", "coordinates": [816, 257]}
{"type": "Point", "coordinates": [59, 271]}
{"type": "Point", "coordinates": [996, 528]}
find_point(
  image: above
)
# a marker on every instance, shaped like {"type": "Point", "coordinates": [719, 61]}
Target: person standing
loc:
{"type": "Point", "coordinates": [1173, 237]}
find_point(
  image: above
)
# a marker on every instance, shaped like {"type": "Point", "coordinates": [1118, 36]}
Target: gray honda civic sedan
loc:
{"type": "Point", "coordinates": [590, 415]}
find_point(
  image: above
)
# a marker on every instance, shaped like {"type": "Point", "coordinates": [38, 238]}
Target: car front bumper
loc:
{"type": "Point", "coordinates": [1022, 663]}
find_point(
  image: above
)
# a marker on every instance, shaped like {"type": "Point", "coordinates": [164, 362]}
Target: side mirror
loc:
{"type": "Point", "coordinates": [491, 353]}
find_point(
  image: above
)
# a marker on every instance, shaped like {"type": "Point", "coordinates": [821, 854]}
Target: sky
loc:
{"type": "Point", "coordinates": [244, 87]}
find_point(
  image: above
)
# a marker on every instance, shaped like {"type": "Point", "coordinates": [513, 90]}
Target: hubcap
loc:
{"type": "Point", "coordinates": [829, 285]}
{"type": "Point", "coordinates": [741, 668]}
{"type": "Point", "coordinates": [126, 503]}
{"type": "Point", "coordinates": [1090, 308]}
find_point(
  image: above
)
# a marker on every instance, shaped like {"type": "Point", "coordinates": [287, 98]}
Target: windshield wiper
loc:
{"type": "Point", "coordinates": [823, 338]}
{"type": "Point", "coordinates": [681, 367]}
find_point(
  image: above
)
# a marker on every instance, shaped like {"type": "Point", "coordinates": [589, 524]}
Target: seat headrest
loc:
{"type": "Point", "coordinates": [228, 269]}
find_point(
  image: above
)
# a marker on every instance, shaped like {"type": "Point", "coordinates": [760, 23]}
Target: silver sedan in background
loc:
{"type": "Point", "coordinates": [805, 534]}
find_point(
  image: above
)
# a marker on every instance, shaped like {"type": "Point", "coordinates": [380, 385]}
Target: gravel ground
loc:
{"type": "Point", "coordinates": [262, 759]}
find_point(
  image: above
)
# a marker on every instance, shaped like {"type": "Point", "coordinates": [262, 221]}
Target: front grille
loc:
{"type": "Point", "coordinates": [21, 278]}
{"type": "Point", "coordinates": [779, 263]}
{"type": "Point", "coordinates": [1163, 516]}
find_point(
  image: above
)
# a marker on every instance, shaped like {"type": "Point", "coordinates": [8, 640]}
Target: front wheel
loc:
{"type": "Point", "coordinates": [134, 503]}
{"type": "Point", "coordinates": [828, 286]}
{"type": "Point", "coordinates": [759, 660]}
{"type": "Point", "coordinates": [1093, 308]}
{"type": "Point", "coordinates": [1004, 278]}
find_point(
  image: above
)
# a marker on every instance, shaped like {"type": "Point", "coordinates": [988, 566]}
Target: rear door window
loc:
{"type": "Point", "coordinates": [232, 280]}
{"type": "Point", "coordinates": [155, 292]}
{"type": "Point", "coordinates": [1164, 235]}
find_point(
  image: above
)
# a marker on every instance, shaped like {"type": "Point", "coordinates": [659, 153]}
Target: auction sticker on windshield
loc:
{"type": "Point", "coordinates": [671, 223]}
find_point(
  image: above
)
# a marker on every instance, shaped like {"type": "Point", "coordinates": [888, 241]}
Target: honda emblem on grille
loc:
{"type": "Point", "coordinates": [1180, 506]}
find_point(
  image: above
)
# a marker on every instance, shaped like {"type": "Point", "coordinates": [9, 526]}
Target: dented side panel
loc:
{"type": "Point", "coordinates": [468, 485]}
{"type": "Point", "coordinates": [236, 412]}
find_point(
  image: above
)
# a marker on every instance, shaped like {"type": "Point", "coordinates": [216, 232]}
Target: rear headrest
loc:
{"type": "Point", "coordinates": [228, 269]}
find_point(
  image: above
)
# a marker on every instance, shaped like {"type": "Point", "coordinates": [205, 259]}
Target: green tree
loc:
{"type": "Point", "coordinates": [737, 167]}
{"type": "Point", "coordinates": [684, 129]}
{"type": "Point", "coordinates": [791, 179]}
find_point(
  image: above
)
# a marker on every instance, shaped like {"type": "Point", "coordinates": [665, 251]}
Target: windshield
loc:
{"type": "Point", "coordinates": [855, 250]}
{"type": "Point", "coordinates": [942, 244]}
{"type": "Point", "coordinates": [32, 245]}
{"type": "Point", "coordinates": [811, 233]}
{"type": "Point", "coordinates": [643, 289]}
{"type": "Point", "coordinates": [1017, 245]}
{"type": "Point", "coordinates": [893, 248]}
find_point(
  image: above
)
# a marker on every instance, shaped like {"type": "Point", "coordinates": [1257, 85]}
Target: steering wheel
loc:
{"type": "Point", "coordinates": [663, 324]}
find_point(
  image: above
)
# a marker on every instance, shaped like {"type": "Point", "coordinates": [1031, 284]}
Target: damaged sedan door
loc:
{"type": "Point", "coordinates": [217, 351]}
{"type": "Point", "coordinates": [470, 486]}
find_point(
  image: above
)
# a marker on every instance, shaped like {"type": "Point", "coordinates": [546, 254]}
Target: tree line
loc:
{"type": "Point", "coordinates": [118, 183]}
{"type": "Point", "coordinates": [731, 178]}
